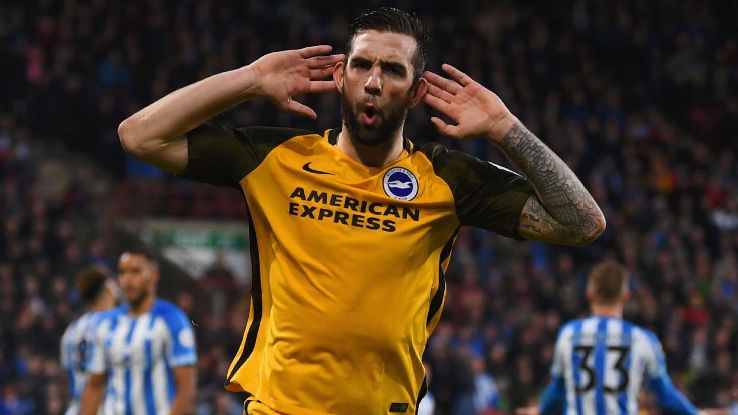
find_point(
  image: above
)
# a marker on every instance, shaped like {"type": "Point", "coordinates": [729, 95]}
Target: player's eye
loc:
{"type": "Point", "coordinates": [361, 64]}
{"type": "Point", "coordinates": [396, 70]}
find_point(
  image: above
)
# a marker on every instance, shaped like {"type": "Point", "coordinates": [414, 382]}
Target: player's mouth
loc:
{"type": "Point", "coordinates": [369, 114]}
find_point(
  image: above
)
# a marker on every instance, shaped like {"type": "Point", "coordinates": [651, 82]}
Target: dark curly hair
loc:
{"type": "Point", "coordinates": [390, 19]}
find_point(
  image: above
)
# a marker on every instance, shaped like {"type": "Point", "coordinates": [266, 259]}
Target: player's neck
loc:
{"type": "Point", "coordinates": [371, 156]}
{"type": "Point", "coordinates": [96, 307]}
{"type": "Point", "coordinates": [143, 307]}
{"type": "Point", "coordinates": [607, 310]}
{"type": "Point", "coordinates": [102, 304]}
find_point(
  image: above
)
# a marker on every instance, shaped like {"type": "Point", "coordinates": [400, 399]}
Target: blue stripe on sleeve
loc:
{"type": "Point", "coordinates": [72, 385]}
{"type": "Point", "coordinates": [68, 347]}
{"type": "Point", "coordinates": [180, 330]}
{"type": "Point", "coordinates": [658, 351]}
{"type": "Point", "coordinates": [670, 399]}
{"type": "Point", "coordinates": [600, 354]}
{"type": "Point", "coordinates": [552, 401]}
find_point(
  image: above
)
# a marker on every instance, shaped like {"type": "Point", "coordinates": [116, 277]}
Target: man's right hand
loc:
{"type": "Point", "coordinates": [157, 133]}
{"type": "Point", "coordinates": [282, 75]}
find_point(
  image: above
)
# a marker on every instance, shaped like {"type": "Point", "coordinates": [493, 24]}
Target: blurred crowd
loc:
{"type": "Point", "coordinates": [640, 98]}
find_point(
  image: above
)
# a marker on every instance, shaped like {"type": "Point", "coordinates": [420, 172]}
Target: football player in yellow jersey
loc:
{"type": "Point", "coordinates": [352, 228]}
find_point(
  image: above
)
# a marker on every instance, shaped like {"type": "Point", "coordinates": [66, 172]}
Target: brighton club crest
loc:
{"type": "Point", "coordinates": [400, 183]}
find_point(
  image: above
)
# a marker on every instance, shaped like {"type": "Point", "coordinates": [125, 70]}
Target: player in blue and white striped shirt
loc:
{"type": "Point", "coordinates": [143, 358]}
{"type": "Point", "coordinates": [601, 361]}
{"type": "Point", "coordinates": [98, 292]}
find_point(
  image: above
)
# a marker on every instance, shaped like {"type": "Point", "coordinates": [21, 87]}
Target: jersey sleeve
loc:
{"type": "Point", "coordinates": [557, 367]}
{"type": "Point", "coordinates": [486, 195]}
{"type": "Point", "coordinates": [181, 349]}
{"type": "Point", "coordinates": [669, 398]}
{"type": "Point", "coordinates": [552, 400]}
{"type": "Point", "coordinates": [63, 352]}
{"type": "Point", "coordinates": [222, 156]}
{"type": "Point", "coordinates": [96, 361]}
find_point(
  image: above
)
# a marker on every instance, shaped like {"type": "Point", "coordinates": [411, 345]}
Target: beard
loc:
{"type": "Point", "coordinates": [135, 300]}
{"type": "Point", "coordinates": [389, 121]}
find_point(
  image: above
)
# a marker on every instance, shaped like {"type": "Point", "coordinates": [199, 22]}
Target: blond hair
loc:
{"type": "Point", "coordinates": [608, 280]}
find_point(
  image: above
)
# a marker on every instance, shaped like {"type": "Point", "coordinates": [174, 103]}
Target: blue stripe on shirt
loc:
{"type": "Point", "coordinates": [148, 380]}
{"type": "Point", "coordinates": [575, 364]}
{"type": "Point", "coordinates": [627, 340]}
{"type": "Point", "coordinates": [600, 354]}
{"type": "Point", "coordinates": [148, 384]}
{"type": "Point", "coordinates": [127, 373]}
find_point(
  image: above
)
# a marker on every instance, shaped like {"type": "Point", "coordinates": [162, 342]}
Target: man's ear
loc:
{"type": "Point", "coordinates": [418, 92]}
{"type": "Point", "coordinates": [338, 76]}
{"type": "Point", "coordinates": [155, 275]}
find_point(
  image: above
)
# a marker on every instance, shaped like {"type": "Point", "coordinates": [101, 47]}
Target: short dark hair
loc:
{"type": "Point", "coordinates": [90, 283]}
{"type": "Point", "coordinates": [390, 19]}
{"type": "Point", "coordinates": [141, 252]}
{"type": "Point", "coordinates": [607, 281]}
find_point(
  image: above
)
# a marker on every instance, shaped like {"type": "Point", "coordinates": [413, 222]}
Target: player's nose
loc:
{"type": "Point", "coordinates": [373, 84]}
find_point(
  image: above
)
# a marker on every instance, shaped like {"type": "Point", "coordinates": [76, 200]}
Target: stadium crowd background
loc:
{"type": "Point", "coordinates": [640, 98]}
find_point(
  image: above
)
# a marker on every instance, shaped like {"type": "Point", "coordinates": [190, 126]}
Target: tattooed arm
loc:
{"type": "Point", "coordinates": [562, 211]}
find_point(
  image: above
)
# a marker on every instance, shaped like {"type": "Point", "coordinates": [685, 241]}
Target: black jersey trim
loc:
{"type": "Point", "coordinates": [333, 136]}
{"type": "Point", "coordinates": [407, 145]}
{"type": "Point", "coordinates": [256, 300]}
{"type": "Point", "coordinates": [421, 393]}
{"type": "Point", "coordinates": [437, 299]}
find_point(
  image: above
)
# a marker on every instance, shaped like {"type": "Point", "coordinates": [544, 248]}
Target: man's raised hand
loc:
{"type": "Point", "coordinates": [476, 110]}
{"type": "Point", "coordinates": [280, 76]}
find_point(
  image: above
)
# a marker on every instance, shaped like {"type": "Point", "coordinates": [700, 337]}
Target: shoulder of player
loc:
{"type": "Point", "coordinates": [438, 153]}
{"type": "Point", "coordinates": [100, 322]}
{"type": "Point", "coordinates": [165, 307]}
{"type": "Point", "coordinates": [70, 329]}
{"type": "Point", "coordinates": [257, 139]}
{"type": "Point", "coordinates": [169, 312]}
{"type": "Point", "coordinates": [269, 133]}
{"type": "Point", "coordinates": [567, 329]}
{"type": "Point", "coordinates": [100, 317]}
{"type": "Point", "coordinates": [644, 334]}
{"type": "Point", "coordinates": [449, 163]}
{"type": "Point", "coordinates": [256, 134]}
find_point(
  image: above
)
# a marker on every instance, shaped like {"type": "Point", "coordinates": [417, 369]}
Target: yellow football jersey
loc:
{"type": "Point", "coordinates": [348, 261]}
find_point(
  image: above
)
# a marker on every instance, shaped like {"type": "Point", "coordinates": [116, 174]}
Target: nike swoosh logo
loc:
{"type": "Point", "coordinates": [307, 168]}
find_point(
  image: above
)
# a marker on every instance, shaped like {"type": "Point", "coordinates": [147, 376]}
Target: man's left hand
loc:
{"type": "Point", "coordinates": [475, 110]}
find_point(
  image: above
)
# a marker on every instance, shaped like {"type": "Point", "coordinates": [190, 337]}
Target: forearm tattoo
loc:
{"type": "Point", "coordinates": [567, 213]}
